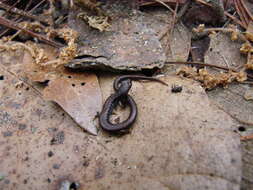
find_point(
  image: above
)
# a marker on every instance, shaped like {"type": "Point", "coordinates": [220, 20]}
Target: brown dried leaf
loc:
{"type": "Point", "coordinates": [77, 93]}
{"type": "Point", "coordinates": [79, 96]}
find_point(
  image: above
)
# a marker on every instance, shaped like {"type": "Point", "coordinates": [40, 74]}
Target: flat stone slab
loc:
{"type": "Point", "coordinates": [129, 45]}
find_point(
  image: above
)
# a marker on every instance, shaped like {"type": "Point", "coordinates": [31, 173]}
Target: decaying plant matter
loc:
{"type": "Point", "coordinates": [246, 48]}
{"type": "Point", "coordinates": [209, 80]}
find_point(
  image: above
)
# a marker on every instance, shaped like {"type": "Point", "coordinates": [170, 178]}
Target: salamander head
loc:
{"type": "Point", "coordinates": [125, 86]}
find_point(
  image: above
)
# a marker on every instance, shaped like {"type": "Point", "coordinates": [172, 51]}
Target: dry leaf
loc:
{"type": "Point", "coordinates": [77, 93]}
{"type": "Point", "coordinates": [79, 96]}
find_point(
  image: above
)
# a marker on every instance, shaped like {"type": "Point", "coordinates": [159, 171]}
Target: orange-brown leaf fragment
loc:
{"type": "Point", "coordinates": [79, 95]}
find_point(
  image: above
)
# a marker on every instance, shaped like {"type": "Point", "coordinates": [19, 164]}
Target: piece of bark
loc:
{"type": "Point", "coordinates": [129, 45]}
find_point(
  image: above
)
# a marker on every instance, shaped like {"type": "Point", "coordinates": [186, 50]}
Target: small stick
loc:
{"type": "Point", "coordinates": [17, 18]}
{"type": "Point", "coordinates": [235, 19]}
{"type": "Point", "coordinates": [164, 4]}
{"type": "Point", "coordinates": [204, 65]}
{"type": "Point", "coordinates": [20, 12]}
{"type": "Point", "coordinates": [246, 9]}
{"type": "Point", "coordinates": [22, 80]}
{"type": "Point", "coordinates": [183, 10]}
{"type": "Point", "coordinates": [226, 13]}
{"type": "Point", "coordinates": [172, 28]}
{"type": "Point", "coordinates": [240, 13]}
{"type": "Point", "coordinates": [15, 26]}
{"type": "Point", "coordinates": [12, 6]}
{"type": "Point", "coordinates": [200, 64]}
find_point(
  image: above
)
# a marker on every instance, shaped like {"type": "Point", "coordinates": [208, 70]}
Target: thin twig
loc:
{"type": "Point", "coordinates": [21, 12]}
{"type": "Point", "coordinates": [15, 26]}
{"type": "Point", "coordinates": [234, 117]}
{"type": "Point", "coordinates": [205, 65]}
{"type": "Point", "coordinates": [11, 7]}
{"type": "Point", "coordinates": [22, 80]}
{"type": "Point", "coordinates": [244, 12]}
{"type": "Point", "coordinates": [246, 9]}
{"type": "Point", "coordinates": [183, 10]}
{"type": "Point", "coordinates": [172, 29]}
{"type": "Point", "coordinates": [242, 24]}
{"type": "Point", "coordinates": [204, 3]}
{"type": "Point", "coordinates": [17, 18]}
{"type": "Point", "coordinates": [200, 64]}
{"type": "Point", "coordinates": [164, 4]}
{"type": "Point", "coordinates": [174, 19]}
{"type": "Point", "coordinates": [235, 19]}
{"type": "Point", "coordinates": [240, 13]}
{"type": "Point", "coordinates": [28, 5]}
{"type": "Point", "coordinates": [228, 21]}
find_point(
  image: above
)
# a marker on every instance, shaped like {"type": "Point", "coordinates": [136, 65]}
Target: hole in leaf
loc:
{"type": "Point", "coordinates": [69, 77]}
{"type": "Point", "coordinates": [27, 88]}
{"type": "Point", "coordinates": [74, 186]}
{"type": "Point", "coordinates": [83, 83]}
{"type": "Point", "coordinates": [1, 77]}
{"type": "Point", "coordinates": [73, 85]}
{"type": "Point", "coordinates": [241, 128]}
{"type": "Point", "coordinates": [50, 154]}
